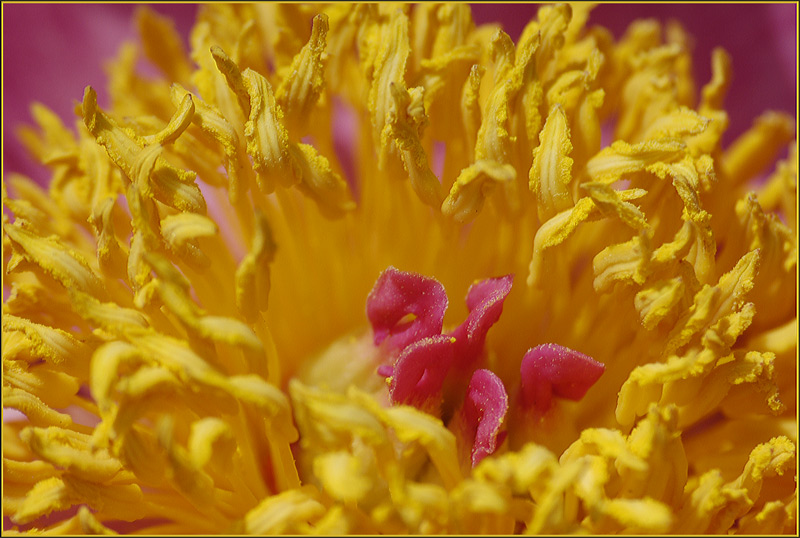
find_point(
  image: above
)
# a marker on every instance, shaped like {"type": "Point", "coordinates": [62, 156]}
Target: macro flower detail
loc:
{"type": "Point", "coordinates": [227, 309]}
{"type": "Point", "coordinates": [430, 370]}
{"type": "Point", "coordinates": [549, 370]}
{"type": "Point", "coordinates": [397, 295]}
{"type": "Point", "coordinates": [482, 414]}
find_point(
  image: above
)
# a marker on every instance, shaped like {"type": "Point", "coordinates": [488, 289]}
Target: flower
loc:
{"type": "Point", "coordinates": [235, 309]}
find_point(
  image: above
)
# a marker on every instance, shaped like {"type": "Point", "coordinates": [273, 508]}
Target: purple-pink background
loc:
{"type": "Point", "coordinates": [51, 52]}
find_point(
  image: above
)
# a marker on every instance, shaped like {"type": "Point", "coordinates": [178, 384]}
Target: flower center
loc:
{"type": "Point", "coordinates": [439, 372]}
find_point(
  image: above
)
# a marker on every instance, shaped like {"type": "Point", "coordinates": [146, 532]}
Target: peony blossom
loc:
{"type": "Point", "coordinates": [366, 269]}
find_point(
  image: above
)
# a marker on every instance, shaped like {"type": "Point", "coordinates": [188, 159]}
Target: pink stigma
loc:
{"type": "Point", "coordinates": [405, 307]}
{"type": "Point", "coordinates": [420, 371]}
{"type": "Point", "coordinates": [483, 412]}
{"type": "Point", "coordinates": [551, 370]}
{"type": "Point", "coordinates": [485, 303]}
{"type": "Point", "coordinates": [407, 311]}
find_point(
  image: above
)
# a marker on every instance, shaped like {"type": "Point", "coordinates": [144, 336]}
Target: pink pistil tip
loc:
{"type": "Point", "coordinates": [485, 303]}
{"type": "Point", "coordinates": [551, 370]}
{"type": "Point", "coordinates": [483, 412]}
{"type": "Point", "coordinates": [420, 371]}
{"type": "Point", "coordinates": [405, 307]}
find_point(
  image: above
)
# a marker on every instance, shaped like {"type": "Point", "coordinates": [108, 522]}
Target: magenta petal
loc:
{"type": "Point", "coordinates": [551, 370]}
{"type": "Point", "coordinates": [485, 303]}
{"type": "Point", "coordinates": [483, 412]}
{"type": "Point", "coordinates": [420, 371]}
{"type": "Point", "coordinates": [398, 295]}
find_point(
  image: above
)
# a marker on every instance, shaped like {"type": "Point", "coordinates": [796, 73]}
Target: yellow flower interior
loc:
{"type": "Point", "coordinates": [185, 334]}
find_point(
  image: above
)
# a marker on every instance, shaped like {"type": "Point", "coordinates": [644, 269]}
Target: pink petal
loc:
{"type": "Point", "coordinates": [483, 412]}
{"type": "Point", "coordinates": [398, 295]}
{"type": "Point", "coordinates": [485, 303]}
{"type": "Point", "coordinates": [420, 371]}
{"type": "Point", "coordinates": [550, 369]}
